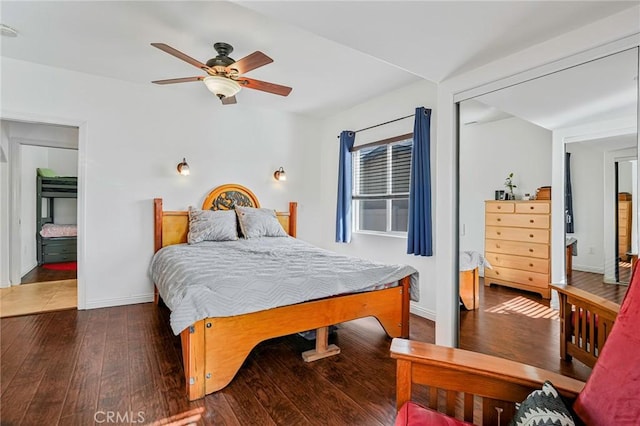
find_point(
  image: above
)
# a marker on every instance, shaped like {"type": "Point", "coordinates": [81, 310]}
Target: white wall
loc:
{"type": "Point", "coordinates": [131, 138]}
{"type": "Point", "coordinates": [32, 158]}
{"type": "Point", "coordinates": [488, 153]}
{"type": "Point", "coordinates": [324, 158]}
{"type": "Point", "coordinates": [4, 205]}
{"type": "Point", "coordinates": [587, 187]}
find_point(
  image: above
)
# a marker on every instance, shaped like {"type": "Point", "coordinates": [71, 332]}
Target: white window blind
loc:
{"type": "Point", "coordinates": [381, 174]}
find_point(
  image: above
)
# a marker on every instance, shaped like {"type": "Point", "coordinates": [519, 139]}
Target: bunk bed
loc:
{"type": "Point", "coordinates": [54, 243]}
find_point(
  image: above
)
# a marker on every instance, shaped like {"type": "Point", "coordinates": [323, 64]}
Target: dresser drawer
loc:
{"type": "Point", "coordinates": [517, 234]}
{"type": "Point", "coordinates": [522, 277]}
{"type": "Point", "coordinates": [623, 215]}
{"type": "Point", "coordinates": [518, 262]}
{"type": "Point", "coordinates": [517, 248]}
{"type": "Point", "coordinates": [499, 207]}
{"type": "Point", "coordinates": [518, 220]}
{"type": "Point", "coordinates": [532, 207]}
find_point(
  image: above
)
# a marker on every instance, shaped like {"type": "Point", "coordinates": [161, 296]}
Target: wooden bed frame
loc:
{"type": "Point", "coordinates": [214, 349]}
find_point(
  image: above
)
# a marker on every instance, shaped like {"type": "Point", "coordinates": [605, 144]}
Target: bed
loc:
{"type": "Point", "coordinates": [215, 347]}
{"type": "Point", "coordinates": [54, 242]}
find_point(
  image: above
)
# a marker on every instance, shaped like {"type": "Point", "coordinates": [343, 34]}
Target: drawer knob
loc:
{"type": "Point", "coordinates": [530, 279]}
{"type": "Point", "coordinates": [531, 220]}
{"type": "Point", "coordinates": [497, 245]}
{"type": "Point", "coordinates": [531, 207]}
{"type": "Point", "coordinates": [498, 219]}
{"type": "Point", "coordinates": [530, 235]}
{"type": "Point", "coordinates": [499, 233]}
{"type": "Point", "coordinates": [497, 272]}
{"type": "Point", "coordinates": [499, 207]}
{"type": "Point", "coordinates": [530, 250]}
{"type": "Point", "coordinates": [531, 265]}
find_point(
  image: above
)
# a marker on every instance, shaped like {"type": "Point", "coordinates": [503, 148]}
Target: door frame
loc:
{"type": "Point", "coordinates": [14, 193]}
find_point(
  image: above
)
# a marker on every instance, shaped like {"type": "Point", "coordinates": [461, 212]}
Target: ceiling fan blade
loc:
{"type": "Point", "coordinates": [178, 80]}
{"type": "Point", "coordinates": [264, 86]}
{"type": "Point", "coordinates": [250, 62]}
{"type": "Point", "coordinates": [178, 54]}
{"type": "Point", "coordinates": [229, 100]}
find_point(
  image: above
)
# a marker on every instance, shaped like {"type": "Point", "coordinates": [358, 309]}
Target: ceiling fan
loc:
{"type": "Point", "coordinates": [224, 77]}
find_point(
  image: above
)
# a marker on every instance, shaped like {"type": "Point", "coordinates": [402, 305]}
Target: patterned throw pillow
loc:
{"type": "Point", "coordinates": [543, 407]}
{"type": "Point", "coordinates": [256, 223]}
{"type": "Point", "coordinates": [211, 225]}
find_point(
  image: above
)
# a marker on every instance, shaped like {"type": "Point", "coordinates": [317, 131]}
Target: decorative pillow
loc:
{"type": "Point", "coordinates": [256, 223]}
{"type": "Point", "coordinates": [543, 407]}
{"type": "Point", "coordinates": [211, 225]}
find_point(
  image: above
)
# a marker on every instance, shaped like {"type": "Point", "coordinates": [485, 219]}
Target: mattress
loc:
{"type": "Point", "coordinates": [50, 230]}
{"type": "Point", "coordinates": [221, 279]}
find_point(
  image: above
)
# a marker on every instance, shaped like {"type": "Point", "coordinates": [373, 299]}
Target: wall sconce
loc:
{"type": "Point", "coordinates": [183, 168]}
{"type": "Point", "coordinates": [280, 174]}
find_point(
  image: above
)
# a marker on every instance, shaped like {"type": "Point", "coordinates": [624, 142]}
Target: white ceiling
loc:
{"type": "Point", "coordinates": [334, 54]}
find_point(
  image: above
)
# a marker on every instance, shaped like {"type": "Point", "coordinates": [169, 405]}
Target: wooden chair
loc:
{"type": "Point", "coordinates": [585, 323]}
{"type": "Point", "coordinates": [484, 389]}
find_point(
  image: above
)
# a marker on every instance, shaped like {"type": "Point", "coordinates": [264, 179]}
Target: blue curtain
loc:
{"type": "Point", "coordinates": [568, 196]}
{"type": "Point", "coordinates": [419, 234]}
{"type": "Point", "coordinates": [343, 213]}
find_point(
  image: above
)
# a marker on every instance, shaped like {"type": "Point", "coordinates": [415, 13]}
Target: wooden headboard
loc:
{"type": "Point", "coordinates": [172, 227]}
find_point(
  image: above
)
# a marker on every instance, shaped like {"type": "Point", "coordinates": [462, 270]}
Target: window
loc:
{"type": "Point", "coordinates": [381, 174]}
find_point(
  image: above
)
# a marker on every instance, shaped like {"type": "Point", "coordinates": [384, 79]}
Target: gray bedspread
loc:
{"type": "Point", "coordinates": [220, 279]}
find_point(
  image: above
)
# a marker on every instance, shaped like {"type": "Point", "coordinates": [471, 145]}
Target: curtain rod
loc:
{"type": "Point", "coordinates": [381, 124]}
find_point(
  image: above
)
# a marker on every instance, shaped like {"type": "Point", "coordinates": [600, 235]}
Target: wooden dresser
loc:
{"type": "Point", "coordinates": [624, 225]}
{"type": "Point", "coordinates": [517, 244]}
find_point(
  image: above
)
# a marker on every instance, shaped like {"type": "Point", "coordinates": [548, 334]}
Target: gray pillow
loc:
{"type": "Point", "coordinates": [211, 225]}
{"type": "Point", "coordinates": [256, 223]}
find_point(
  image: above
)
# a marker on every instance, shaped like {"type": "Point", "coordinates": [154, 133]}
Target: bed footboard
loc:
{"type": "Point", "coordinates": [214, 349]}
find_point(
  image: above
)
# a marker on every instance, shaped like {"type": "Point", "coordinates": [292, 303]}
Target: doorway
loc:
{"type": "Point", "coordinates": [40, 197]}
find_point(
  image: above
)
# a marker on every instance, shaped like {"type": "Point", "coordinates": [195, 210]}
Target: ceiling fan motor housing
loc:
{"type": "Point", "coordinates": [223, 59]}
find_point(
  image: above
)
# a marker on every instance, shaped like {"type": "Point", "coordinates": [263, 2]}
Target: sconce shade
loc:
{"type": "Point", "coordinates": [222, 87]}
{"type": "Point", "coordinates": [183, 168]}
{"type": "Point", "coordinates": [280, 174]}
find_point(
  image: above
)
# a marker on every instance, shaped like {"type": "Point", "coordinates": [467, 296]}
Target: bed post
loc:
{"type": "Point", "coordinates": [157, 237]}
{"type": "Point", "coordinates": [193, 357]}
{"type": "Point", "coordinates": [406, 297]}
{"type": "Point", "coordinates": [293, 219]}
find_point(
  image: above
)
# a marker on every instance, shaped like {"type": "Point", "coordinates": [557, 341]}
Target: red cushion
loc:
{"type": "Point", "coordinates": [612, 392]}
{"type": "Point", "coordinates": [416, 415]}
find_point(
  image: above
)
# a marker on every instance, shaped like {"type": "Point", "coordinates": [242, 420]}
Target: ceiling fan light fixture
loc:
{"type": "Point", "coordinates": [222, 87]}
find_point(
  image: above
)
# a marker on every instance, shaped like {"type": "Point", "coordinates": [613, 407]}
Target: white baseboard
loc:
{"type": "Point", "coordinates": [120, 301]}
{"type": "Point", "coordinates": [422, 312]}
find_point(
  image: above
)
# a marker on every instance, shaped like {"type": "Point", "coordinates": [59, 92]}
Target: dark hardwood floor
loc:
{"type": "Point", "coordinates": [40, 274]}
{"type": "Point", "coordinates": [79, 367]}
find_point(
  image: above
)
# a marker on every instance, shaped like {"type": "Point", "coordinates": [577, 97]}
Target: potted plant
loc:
{"type": "Point", "coordinates": [508, 182]}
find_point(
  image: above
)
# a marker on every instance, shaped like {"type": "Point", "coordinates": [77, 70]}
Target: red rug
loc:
{"type": "Point", "coordinates": [62, 266]}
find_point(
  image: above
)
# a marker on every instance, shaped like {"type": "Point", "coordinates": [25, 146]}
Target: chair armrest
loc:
{"type": "Point", "coordinates": [584, 298]}
{"type": "Point", "coordinates": [499, 382]}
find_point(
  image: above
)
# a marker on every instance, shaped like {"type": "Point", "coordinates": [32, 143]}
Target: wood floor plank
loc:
{"type": "Point", "coordinates": [11, 330]}
{"type": "Point", "coordinates": [114, 394]}
{"type": "Point", "coordinates": [144, 372]}
{"type": "Point", "coordinates": [218, 411]}
{"type": "Point", "coordinates": [49, 398]}
{"type": "Point", "coordinates": [21, 389]}
{"type": "Point", "coordinates": [84, 382]}
{"type": "Point", "coordinates": [268, 395]}
{"type": "Point", "coordinates": [311, 392]}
